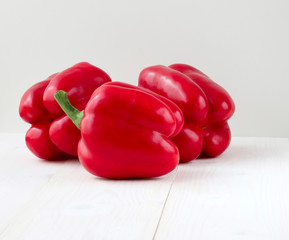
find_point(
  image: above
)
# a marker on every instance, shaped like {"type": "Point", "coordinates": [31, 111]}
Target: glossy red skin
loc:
{"type": "Point", "coordinates": [221, 104]}
{"type": "Point", "coordinates": [38, 141]}
{"type": "Point", "coordinates": [65, 135]}
{"type": "Point", "coordinates": [217, 138]}
{"type": "Point", "coordinates": [125, 134]}
{"type": "Point", "coordinates": [189, 142]}
{"type": "Point", "coordinates": [31, 107]}
{"type": "Point", "coordinates": [57, 132]}
{"type": "Point", "coordinates": [32, 110]}
{"type": "Point", "coordinates": [176, 110]}
{"type": "Point", "coordinates": [180, 89]}
{"type": "Point", "coordinates": [79, 82]}
{"type": "Point", "coordinates": [216, 134]}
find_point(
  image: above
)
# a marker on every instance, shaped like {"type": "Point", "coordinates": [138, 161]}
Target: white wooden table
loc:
{"type": "Point", "coordinates": [243, 194]}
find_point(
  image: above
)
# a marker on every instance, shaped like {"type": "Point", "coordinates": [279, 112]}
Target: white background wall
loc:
{"type": "Point", "coordinates": [242, 45]}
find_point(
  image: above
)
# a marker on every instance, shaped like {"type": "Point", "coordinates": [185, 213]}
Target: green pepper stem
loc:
{"type": "Point", "coordinates": [74, 114]}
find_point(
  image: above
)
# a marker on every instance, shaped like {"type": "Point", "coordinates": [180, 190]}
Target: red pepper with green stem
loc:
{"type": "Point", "coordinates": [52, 134]}
{"type": "Point", "coordinates": [33, 111]}
{"type": "Point", "coordinates": [125, 132]}
{"type": "Point", "coordinates": [206, 107]}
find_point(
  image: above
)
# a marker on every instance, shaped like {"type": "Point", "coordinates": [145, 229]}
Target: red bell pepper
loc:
{"type": "Point", "coordinates": [205, 104]}
{"type": "Point", "coordinates": [125, 132]}
{"type": "Point", "coordinates": [52, 134]}
{"type": "Point", "coordinates": [217, 134]}
{"type": "Point", "coordinates": [176, 110]}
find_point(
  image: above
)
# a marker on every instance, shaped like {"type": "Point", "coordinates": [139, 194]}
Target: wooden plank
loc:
{"type": "Point", "coordinates": [72, 204]}
{"type": "Point", "coordinates": [21, 175]}
{"type": "Point", "coordinates": [242, 194]}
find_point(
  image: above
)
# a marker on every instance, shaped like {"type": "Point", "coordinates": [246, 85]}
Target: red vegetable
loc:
{"type": "Point", "coordinates": [221, 105]}
{"type": "Point", "coordinates": [124, 132]}
{"type": "Point", "coordinates": [205, 104]}
{"type": "Point", "coordinates": [176, 110]}
{"type": "Point", "coordinates": [52, 134]}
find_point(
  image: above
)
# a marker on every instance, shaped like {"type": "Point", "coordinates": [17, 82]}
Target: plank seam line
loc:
{"type": "Point", "coordinates": [160, 218]}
